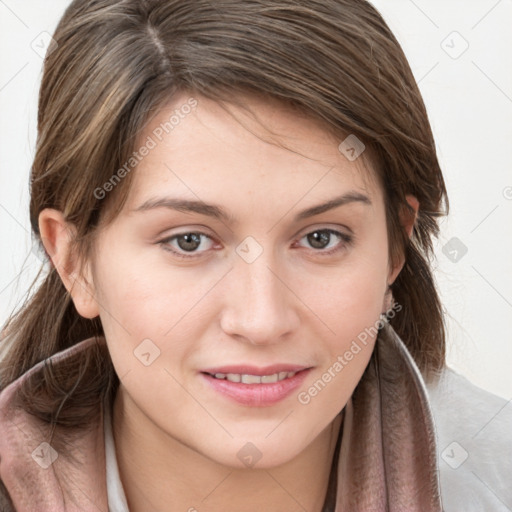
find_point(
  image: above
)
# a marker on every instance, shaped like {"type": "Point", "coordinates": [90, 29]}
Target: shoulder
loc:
{"type": "Point", "coordinates": [37, 377]}
{"type": "Point", "coordinates": [474, 437]}
{"type": "Point", "coordinates": [29, 445]}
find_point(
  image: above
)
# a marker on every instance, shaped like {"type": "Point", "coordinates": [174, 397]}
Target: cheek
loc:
{"type": "Point", "coordinates": [349, 297]}
{"type": "Point", "coordinates": [142, 298]}
{"type": "Point", "coordinates": [349, 302]}
{"type": "Point", "coordinates": [352, 316]}
{"type": "Point", "coordinates": [141, 302]}
{"type": "Point", "coordinates": [352, 313]}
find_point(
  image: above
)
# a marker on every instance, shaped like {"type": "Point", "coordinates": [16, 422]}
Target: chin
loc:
{"type": "Point", "coordinates": [258, 453]}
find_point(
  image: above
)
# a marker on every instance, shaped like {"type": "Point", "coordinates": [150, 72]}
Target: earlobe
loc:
{"type": "Point", "coordinates": [57, 236]}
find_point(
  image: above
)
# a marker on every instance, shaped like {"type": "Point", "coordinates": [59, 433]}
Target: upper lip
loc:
{"type": "Point", "coordinates": [246, 369]}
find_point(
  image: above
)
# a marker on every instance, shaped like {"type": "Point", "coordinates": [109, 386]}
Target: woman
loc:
{"type": "Point", "coordinates": [238, 201]}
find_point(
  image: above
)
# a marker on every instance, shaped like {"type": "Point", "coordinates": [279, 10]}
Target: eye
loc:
{"type": "Point", "coordinates": [192, 243]}
{"type": "Point", "coordinates": [188, 242]}
{"type": "Point", "coordinates": [327, 241]}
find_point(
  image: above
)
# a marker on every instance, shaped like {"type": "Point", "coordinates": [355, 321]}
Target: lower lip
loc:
{"type": "Point", "coordinates": [257, 395]}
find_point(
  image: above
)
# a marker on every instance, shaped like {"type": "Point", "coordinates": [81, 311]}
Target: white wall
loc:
{"type": "Point", "coordinates": [469, 100]}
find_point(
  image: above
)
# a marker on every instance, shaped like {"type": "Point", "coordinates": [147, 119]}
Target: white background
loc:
{"type": "Point", "coordinates": [469, 100]}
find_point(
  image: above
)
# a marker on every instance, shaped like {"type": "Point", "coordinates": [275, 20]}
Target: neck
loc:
{"type": "Point", "coordinates": [159, 472]}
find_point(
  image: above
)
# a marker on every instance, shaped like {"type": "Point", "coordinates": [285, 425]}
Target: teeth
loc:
{"type": "Point", "coordinates": [255, 379]}
{"type": "Point", "coordinates": [269, 378]}
{"type": "Point", "coordinates": [251, 379]}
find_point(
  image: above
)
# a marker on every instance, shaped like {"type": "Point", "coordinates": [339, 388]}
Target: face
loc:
{"type": "Point", "coordinates": [246, 279]}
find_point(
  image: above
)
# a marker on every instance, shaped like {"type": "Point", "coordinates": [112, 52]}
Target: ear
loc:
{"type": "Point", "coordinates": [56, 236]}
{"type": "Point", "coordinates": [407, 221]}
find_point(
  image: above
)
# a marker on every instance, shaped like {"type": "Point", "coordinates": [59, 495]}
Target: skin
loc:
{"type": "Point", "coordinates": [177, 439]}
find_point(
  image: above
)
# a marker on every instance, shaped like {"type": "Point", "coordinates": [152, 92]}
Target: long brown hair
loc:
{"type": "Point", "coordinates": [116, 62]}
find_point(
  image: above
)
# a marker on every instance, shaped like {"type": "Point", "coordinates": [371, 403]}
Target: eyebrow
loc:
{"type": "Point", "coordinates": [212, 210]}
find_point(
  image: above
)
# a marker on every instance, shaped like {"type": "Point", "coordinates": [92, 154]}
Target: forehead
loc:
{"type": "Point", "coordinates": [266, 150]}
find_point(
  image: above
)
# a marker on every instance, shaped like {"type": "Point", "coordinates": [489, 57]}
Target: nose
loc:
{"type": "Point", "coordinates": [259, 306]}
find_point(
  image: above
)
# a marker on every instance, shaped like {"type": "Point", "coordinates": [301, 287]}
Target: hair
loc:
{"type": "Point", "coordinates": [116, 62]}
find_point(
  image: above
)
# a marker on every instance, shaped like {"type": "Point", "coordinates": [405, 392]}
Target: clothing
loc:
{"type": "Point", "coordinates": [474, 436]}
{"type": "Point", "coordinates": [116, 498]}
{"type": "Point", "coordinates": [387, 457]}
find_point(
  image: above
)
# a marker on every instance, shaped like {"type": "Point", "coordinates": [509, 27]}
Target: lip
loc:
{"type": "Point", "coordinates": [256, 395]}
{"type": "Point", "coordinates": [254, 370]}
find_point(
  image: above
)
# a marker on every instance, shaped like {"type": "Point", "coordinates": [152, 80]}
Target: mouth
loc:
{"type": "Point", "coordinates": [246, 378]}
{"type": "Point", "coordinates": [255, 388]}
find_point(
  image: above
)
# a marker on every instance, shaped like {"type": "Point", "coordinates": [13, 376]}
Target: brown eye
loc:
{"type": "Point", "coordinates": [327, 241]}
{"type": "Point", "coordinates": [188, 242]}
{"type": "Point", "coordinates": [319, 239]}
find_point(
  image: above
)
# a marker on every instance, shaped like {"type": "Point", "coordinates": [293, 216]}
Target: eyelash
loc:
{"type": "Point", "coordinates": [346, 240]}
